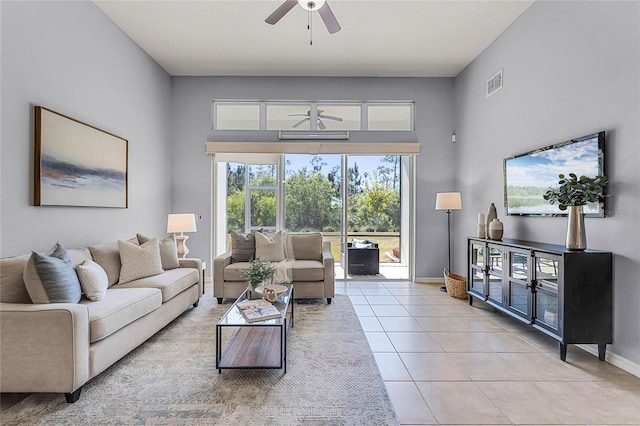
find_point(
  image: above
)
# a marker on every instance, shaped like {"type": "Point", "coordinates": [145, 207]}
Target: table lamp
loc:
{"type": "Point", "coordinates": [182, 222]}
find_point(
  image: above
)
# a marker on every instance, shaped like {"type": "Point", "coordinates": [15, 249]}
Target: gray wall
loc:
{"type": "Point", "coordinates": [570, 69]}
{"type": "Point", "coordinates": [192, 97]}
{"type": "Point", "coordinates": [69, 57]}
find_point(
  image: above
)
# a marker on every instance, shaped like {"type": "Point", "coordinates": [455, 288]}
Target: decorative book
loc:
{"type": "Point", "coordinates": [258, 310]}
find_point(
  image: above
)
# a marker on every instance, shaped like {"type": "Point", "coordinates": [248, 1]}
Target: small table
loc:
{"type": "Point", "coordinates": [260, 344]}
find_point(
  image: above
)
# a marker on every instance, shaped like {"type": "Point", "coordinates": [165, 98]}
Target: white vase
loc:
{"type": "Point", "coordinates": [496, 229]}
{"type": "Point", "coordinates": [576, 235]}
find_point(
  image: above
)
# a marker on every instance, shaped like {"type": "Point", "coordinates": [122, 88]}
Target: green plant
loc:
{"type": "Point", "coordinates": [258, 272]}
{"type": "Point", "coordinates": [576, 191]}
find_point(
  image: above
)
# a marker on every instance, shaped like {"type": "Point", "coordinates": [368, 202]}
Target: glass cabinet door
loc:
{"type": "Point", "coordinates": [518, 285]}
{"type": "Point", "coordinates": [547, 273]}
{"type": "Point", "coordinates": [476, 268]}
{"type": "Point", "coordinates": [495, 274]}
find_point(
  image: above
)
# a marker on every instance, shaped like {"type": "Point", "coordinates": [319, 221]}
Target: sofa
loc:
{"type": "Point", "coordinates": [53, 346]}
{"type": "Point", "coordinates": [308, 259]}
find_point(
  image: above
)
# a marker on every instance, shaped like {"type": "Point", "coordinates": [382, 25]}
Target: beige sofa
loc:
{"type": "Point", "coordinates": [58, 347]}
{"type": "Point", "coordinates": [311, 263]}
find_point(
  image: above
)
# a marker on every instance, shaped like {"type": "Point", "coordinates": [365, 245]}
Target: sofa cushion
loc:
{"type": "Point", "coordinates": [93, 280]}
{"type": "Point", "coordinates": [12, 288]}
{"type": "Point", "coordinates": [270, 247]}
{"type": "Point", "coordinates": [171, 282]}
{"type": "Point", "coordinates": [307, 246]}
{"type": "Point", "coordinates": [233, 272]}
{"type": "Point", "coordinates": [107, 255]}
{"type": "Point", "coordinates": [168, 250]}
{"type": "Point", "coordinates": [139, 261]}
{"type": "Point", "coordinates": [307, 270]}
{"type": "Point", "coordinates": [243, 247]}
{"type": "Point", "coordinates": [52, 278]}
{"type": "Point", "coordinates": [118, 308]}
{"type": "Point", "coordinates": [79, 255]}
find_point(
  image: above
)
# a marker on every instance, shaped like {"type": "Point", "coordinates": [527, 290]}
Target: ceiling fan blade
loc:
{"type": "Point", "coordinates": [329, 19]}
{"type": "Point", "coordinates": [280, 11]}
{"type": "Point", "coordinates": [300, 122]}
{"type": "Point", "coordinates": [320, 123]}
{"type": "Point", "coordinates": [297, 115]}
{"type": "Point", "coordinates": [330, 117]}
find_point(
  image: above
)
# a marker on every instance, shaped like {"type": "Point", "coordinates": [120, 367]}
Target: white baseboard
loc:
{"type": "Point", "coordinates": [615, 359]}
{"type": "Point", "coordinates": [430, 280]}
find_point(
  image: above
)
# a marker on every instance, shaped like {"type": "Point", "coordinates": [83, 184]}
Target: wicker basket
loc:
{"type": "Point", "coordinates": [456, 285]}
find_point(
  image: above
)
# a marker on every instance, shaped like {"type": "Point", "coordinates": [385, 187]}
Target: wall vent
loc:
{"type": "Point", "coordinates": [494, 83]}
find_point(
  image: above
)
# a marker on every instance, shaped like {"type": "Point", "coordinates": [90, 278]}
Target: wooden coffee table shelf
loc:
{"type": "Point", "coordinates": [260, 344]}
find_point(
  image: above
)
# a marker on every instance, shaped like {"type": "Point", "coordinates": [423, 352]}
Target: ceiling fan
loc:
{"type": "Point", "coordinates": [320, 115]}
{"type": "Point", "coordinates": [321, 6]}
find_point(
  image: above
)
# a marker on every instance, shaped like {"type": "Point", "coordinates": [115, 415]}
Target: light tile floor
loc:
{"type": "Point", "coordinates": [445, 362]}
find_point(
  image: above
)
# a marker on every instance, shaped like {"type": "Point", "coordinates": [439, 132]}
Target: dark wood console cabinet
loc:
{"type": "Point", "coordinates": [565, 294]}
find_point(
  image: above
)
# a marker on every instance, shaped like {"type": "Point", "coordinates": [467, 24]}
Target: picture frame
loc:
{"type": "Point", "coordinates": [77, 164]}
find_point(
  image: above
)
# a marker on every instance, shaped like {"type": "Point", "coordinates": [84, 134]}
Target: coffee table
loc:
{"type": "Point", "coordinates": [259, 344]}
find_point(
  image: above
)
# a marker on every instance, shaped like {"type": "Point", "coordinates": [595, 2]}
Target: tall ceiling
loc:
{"type": "Point", "coordinates": [395, 38]}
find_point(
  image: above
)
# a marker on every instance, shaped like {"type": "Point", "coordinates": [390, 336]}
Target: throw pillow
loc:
{"type": "Point", "coordinates": [270, 248]}
{"type": "Point", "coordinates": [108, 256]}
{"type": "Point", "coordinates": [52, 278]}
{"type": "Point", "coordinates": [139, 261]}
{"type": "Point", "coordinates": [307, 246]}
{"type": "Point", "coordinates": [243, 247]}
{"type": "Point", "coordinates": [168, 251]}
{"type": "Point", "coordinates": [93, 280]}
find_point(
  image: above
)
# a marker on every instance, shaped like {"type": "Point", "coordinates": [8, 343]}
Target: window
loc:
{"type": "Point", "coordinates": [237, 116]}
{"type": "Point", "coordinates": [390, 117]}
{"type": "Point", "coordinates": [313, 115]}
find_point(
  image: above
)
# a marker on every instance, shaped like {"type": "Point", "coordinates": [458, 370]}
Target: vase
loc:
{"type": "Point", "coordinates": [576, 235]}
{"type": "Point", "coordinates": [496, 229]}
{"type": "Point", "coordinates": [491, 214]}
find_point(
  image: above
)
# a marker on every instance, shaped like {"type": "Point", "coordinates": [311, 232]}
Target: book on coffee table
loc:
{"type": "Point", "coordinates": [258, 310]}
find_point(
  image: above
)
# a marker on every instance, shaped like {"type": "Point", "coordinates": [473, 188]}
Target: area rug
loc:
{"type": "Point", "coordinates": [331, 379]}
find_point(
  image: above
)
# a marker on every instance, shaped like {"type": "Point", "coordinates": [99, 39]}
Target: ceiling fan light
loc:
{"type": "Point", "coordinates": [311, 4]}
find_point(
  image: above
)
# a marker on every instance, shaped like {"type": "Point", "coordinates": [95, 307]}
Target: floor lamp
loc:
{"type": "Point", "coordinates": [448, 201]}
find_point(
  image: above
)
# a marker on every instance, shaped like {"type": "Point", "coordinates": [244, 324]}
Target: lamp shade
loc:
{"type": "Point", "coordinates": [183, 222]}
{"type": "Point", "coordinates": [448, 201]}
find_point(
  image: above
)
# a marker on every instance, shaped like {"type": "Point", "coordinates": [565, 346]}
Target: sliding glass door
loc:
{"type": "Point", "coordinates": [359, 203]}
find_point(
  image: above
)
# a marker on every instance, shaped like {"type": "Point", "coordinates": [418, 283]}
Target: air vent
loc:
{"type": "Point", "coordinates": [494, 83]}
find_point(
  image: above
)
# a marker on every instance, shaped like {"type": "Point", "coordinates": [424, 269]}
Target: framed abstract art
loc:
{"type": "Point", "coordinates": [77, 164]}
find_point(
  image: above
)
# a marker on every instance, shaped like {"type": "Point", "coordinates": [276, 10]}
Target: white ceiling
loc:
{"type": "Point", "coordinates": [397, 38]}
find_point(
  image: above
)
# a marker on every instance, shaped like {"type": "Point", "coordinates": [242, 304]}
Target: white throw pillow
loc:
{"type": "Point", "coordinates": [270, 248]}
{"type": "Point", "coordinates": [139, 261]}
{"type": "Point", "coordinates": [168, 251]}
{"type": "Point", "coordinates": [93, 280]}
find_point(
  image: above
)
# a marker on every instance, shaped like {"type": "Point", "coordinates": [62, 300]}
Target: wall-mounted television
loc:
{"type": "Point", "coordinates": [528, 176]}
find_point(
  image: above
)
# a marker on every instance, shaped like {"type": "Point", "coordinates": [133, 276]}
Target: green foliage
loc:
{"type": "Point", "coordinates": [259, 272]}
{"type": "Point", "coordinates": [235, 210]}
{"type": "Point", "coordinates": [308, 201]}
{"type": "Point", "coordinates": [574, 191]}
{"type": "Point", "coordinates": [313, 199]}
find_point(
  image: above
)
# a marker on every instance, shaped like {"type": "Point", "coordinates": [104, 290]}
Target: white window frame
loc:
{"type": "Point", "coordinates": [313, 107]}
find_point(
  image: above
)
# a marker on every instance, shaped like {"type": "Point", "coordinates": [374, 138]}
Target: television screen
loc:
{"type": "Point", "coordinates": [528, 176]}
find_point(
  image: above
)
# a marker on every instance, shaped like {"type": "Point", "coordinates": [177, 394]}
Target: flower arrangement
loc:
{"type": "Point", "coordinates": [258, 272]}
{"type": "Point", "coordinates": [576, 191]}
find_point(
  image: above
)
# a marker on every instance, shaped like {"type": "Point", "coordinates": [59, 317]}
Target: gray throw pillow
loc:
{"type": "Point", "coordinates": [243, 247]}
{"type": "Point", "coordinates": [52, 278]}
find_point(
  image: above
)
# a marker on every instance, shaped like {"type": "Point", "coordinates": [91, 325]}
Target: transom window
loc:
{"type": "Point", "coordinates": [313, 115]}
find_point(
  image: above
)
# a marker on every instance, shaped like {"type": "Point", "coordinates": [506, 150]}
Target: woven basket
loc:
{"type": "Point", "coordinates": [456, 285]}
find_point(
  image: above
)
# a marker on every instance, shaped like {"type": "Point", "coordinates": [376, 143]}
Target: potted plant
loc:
{"type": "Point", "coordinates": [573, 193]}
{"type": "Point", "coordinates": [258, 273]}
